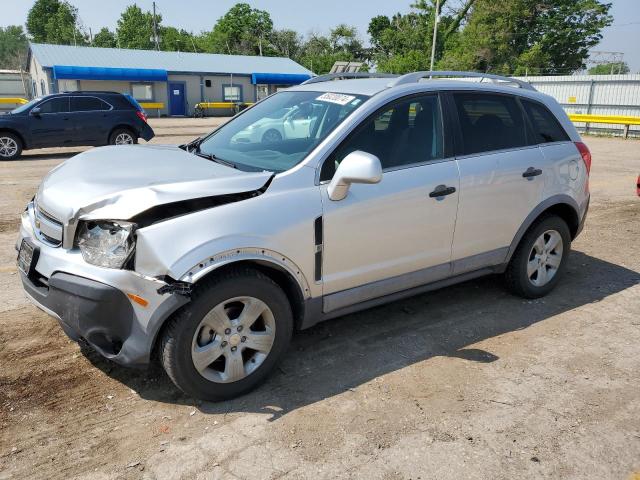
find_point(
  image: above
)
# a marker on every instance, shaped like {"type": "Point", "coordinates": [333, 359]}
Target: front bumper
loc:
{"type": "Point", "coordinates": [91, 302]}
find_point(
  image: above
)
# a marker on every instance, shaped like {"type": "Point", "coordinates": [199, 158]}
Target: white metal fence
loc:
{"type": "Point", "coordinates": [594, 95]}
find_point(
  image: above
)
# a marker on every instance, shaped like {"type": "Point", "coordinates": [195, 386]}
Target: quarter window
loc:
{"type": "Point", "coordinates": [88, 104]}
{"type": "Point", "coordinates": [489, 122]}
{"type": "Point", "coordinates": [546, 128]}
{"type": "Point", "coordinates": [405, 133]}
{"type": "Point", "coordinates": [55, 105]}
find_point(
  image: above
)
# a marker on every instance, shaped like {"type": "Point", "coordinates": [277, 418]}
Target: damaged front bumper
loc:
{"type": "Point", "coordinates": [93, 304]}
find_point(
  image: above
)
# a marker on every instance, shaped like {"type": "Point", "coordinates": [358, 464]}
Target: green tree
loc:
{"type": "Point", "coordinates": [38, 17]}
{"type": "Point", "coordinates": [320, 52]}
{"type": "Point", "coordinates": [135, 28]}
{"type": "Point", "coordinates": [105, 38]}
{"type": "Point", "coordinates": [55, 21]}
{"type": "Point", "coordinates": [174, 40]}
{"type": "Point", "coordinates": [13, 47]}
{"type": "Point", "coordinates": [242, 30]}
{"type": "Point", "coordinates": [286, 43]}
{"type": "Point", "coordinates": [614, 68]}
{"type": "Point", "coordinates": [516, 36]}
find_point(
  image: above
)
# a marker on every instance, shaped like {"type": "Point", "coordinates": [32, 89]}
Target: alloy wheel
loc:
{"type": "Point", "coordinates": [124, 139]}
{"type": "Point", "coordinates": [233, 339]}
{"type": "Point", "coordinates": [545, 258]}
{"type": "Point", "coordinates": [8, 147]}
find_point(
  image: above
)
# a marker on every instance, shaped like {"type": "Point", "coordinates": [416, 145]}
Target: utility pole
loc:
{"type": "Point", "coordinates": [435, 34]}
{"type": "Point", "coordinates": [156, 40]}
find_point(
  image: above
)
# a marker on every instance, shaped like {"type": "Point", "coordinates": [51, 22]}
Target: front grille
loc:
{"type": "Point", "coordinates": [48, 228]}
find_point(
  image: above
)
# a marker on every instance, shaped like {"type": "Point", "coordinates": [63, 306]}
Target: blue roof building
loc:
{"type": "Point", "coordinates": [173, 82]}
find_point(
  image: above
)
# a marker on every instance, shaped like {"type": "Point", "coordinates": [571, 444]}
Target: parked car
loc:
{"type": "Point", "coordinates": [212, 253]}
{"type": "Point", "coordinates": [284, 124]}
{"type": "Point", "coordinates": [73, 119]}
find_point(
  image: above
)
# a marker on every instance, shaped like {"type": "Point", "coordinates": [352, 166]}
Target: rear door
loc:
{"type": "Point", "coordinates": [500, 177]}
{"type": "Point", "coordinates": [91, 120]}
{"type": "Point", "coordinates": [52, 126]}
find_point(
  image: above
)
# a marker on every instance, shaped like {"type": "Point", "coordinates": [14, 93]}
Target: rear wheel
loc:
{"type": "Point", "coordinates": [228, 339]}
{"type": "Point", "coordinates": [10, 146]}
{"type": "Point", "coordinates": [271, 136]}
{"type": "Point", "coordinates": [122, 136]}
{"type": "Point", "coordinates": [540, 259]}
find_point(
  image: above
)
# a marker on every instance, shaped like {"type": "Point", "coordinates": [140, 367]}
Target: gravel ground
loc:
{"type": "Point", "coordinates": [466, 382]}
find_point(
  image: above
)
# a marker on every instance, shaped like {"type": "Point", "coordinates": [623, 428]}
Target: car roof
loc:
{"type": "Point", "coordinates": [372, 86]}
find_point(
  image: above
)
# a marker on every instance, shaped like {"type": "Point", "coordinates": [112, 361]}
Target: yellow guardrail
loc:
{"type": "Point", "coordinates": [14, 100]}
{"type": "Point", "coordinates": [157, 105]}
{"type": "Point", "coordinates": [221, 104]}
{"type": "Point", "coordinates": [609, 119]}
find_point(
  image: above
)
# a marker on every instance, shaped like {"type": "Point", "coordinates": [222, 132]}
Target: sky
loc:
{"type": "Point", "coordinates": [308, 15]}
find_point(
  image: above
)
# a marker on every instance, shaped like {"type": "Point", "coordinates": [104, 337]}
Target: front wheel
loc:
{"type": "Point", "coordinates": [227, 340]}
{"type": "Point", "coordinates": [10, 146]}
{"type": "Point", "coordinates": [122, 136]}
{"type": "Point", "coordinates": [540, 259]}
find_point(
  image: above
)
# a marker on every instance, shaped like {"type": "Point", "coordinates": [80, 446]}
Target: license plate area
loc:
{"type": "Point", "coordinates": [27, 257]}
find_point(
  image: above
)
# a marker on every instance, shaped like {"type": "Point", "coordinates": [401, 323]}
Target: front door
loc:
{"type": "Point", "coordinates": [397, 234]}
{"type": "Point", "coordinates": [177, 99]}
{"type": "Point", "coordinates": [52, 125]}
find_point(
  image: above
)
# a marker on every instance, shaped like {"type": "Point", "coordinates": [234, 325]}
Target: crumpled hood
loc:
{"type": "Point", "coordinates": [119, 182]}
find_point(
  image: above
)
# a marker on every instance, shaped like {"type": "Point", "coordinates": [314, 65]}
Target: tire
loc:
{"type": "Point", "coordinates": [535, 268]}
{"type": "Point", "coordinates": [10, 146]}
{"type": "Point", "coordinates": [271, 136]}
{"type": "Point", "coordinates": [186, 338]}
{"type": "Point", "coordinates": [120, 135]}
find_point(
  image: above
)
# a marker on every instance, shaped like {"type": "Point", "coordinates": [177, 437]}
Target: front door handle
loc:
{"type": "Point", "coordinates": [441, 191]}
{"type": "Point", "coordinates": [532, 172]}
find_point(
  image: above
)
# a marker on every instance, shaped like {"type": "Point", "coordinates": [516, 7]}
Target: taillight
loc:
{"type": "Point", "coordinates": [143, 117]}
{"type": "Point", "coordinates": [586, 155]}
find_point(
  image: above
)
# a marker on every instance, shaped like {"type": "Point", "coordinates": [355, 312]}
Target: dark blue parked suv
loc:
{"type": "Point", "coordinates": [73, 119]}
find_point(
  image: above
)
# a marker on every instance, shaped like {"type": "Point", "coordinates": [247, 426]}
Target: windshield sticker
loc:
{"type": "Point", "coordinates": [338, 98]}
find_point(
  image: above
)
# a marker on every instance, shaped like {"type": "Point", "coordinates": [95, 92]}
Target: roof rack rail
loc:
{"type": "Point", "coordinates": [417, 76]}
{"type": "Point", "coordinates": [346, 76]}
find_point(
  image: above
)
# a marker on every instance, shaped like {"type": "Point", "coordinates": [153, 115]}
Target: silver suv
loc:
{"type": "Point", "coordinates": [208, 255]}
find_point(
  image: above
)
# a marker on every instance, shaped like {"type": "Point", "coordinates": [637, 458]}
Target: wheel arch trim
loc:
{"type": "Point", "coordinates": [16, 133]}
{"type": "Point", "coordinates": [553, 201]}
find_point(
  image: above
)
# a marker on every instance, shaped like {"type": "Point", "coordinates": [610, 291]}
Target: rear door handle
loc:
{"type": "Point", "coordinates": [441, 191]}
{"type": "Point", "coordinates": [532, 172]}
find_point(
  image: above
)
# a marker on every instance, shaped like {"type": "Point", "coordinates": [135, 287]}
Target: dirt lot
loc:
{"type": "Point", "coordinates": [467, 382]}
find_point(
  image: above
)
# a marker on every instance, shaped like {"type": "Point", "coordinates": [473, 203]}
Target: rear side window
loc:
{"type": "Point", "coordinates": [489, 122]}
{"type": "Point", "coordinates": [88, 104]}
{"type": "Point", "coordinates": [55, 105]}
{"type": "Point", "coordinates": [546, 127]}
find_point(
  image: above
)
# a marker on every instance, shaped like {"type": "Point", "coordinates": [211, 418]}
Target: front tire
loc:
{"type": "Point", "coordinates": [540, 259]}
{"type": "Point", "coordinates": [10, 146]}
{"type": "Point", "coordinates": [122, 136]}
{"type": "Point", "coordinates": [229, 337]}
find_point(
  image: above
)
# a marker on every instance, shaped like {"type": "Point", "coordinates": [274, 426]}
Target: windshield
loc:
{"type": "Point", "coordinates": [26, 106]}
{"type": "Point", "coordinates": [279, 132]}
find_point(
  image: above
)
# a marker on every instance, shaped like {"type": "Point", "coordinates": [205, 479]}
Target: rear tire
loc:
{"type": "Point", "coordinates": [10, 146]}
{"type": "Point", "coordinates": [213, 349]}
{"type": "Point", "coordinates": [540, 259]}
{"type": "Point", "coordinates": [123, 136]}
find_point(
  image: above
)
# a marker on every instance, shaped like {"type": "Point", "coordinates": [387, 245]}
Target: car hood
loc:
{"type": "Point", "coordinates": [119, 182]}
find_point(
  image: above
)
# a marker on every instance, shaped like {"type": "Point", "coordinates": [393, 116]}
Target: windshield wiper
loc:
{"type": "Point", "coordinates": [191, 145]}
{"type": "Point", "coordinates": [211, 156]}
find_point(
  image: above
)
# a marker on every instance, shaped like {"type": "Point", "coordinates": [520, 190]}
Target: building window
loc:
{"type": "Point", "coordinates": [42, 90]}
{"type": "Point", "coordinates": [262, 91]}
{"type": "Point", "coordinates": [142, 91]}
{"type": "Point", "coordinates": [232, 93]}
{"type": "Point", "coordinates": [68, 85]}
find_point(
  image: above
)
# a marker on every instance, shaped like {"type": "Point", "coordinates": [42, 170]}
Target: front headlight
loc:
{"type": "Point", "coordinates": [106, 243]}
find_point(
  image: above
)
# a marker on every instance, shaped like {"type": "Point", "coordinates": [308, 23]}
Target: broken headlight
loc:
{"type": "Point", "coordinates": [106, 243]}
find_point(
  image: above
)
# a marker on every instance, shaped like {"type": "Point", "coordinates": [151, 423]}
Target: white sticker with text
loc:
{"type": "Point", "coordinates": [338, 98]}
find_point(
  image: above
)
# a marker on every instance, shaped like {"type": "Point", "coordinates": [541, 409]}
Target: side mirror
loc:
{"type": "Point", "coordinates": [357, 167]}
{"type": "Point", "coordinates": [35, 111]}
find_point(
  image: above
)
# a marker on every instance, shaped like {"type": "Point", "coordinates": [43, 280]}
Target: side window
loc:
{"type": "Point", "coordinates": [55, 105]}
{"type": "Point", "coordinates": [88, 104]}
{"type": "Point", "coordinates": [405, 133]}
{"type": "Point", "coordinates": [546, 127]}
{"type": "Point", "coordinates": [489, 122]}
